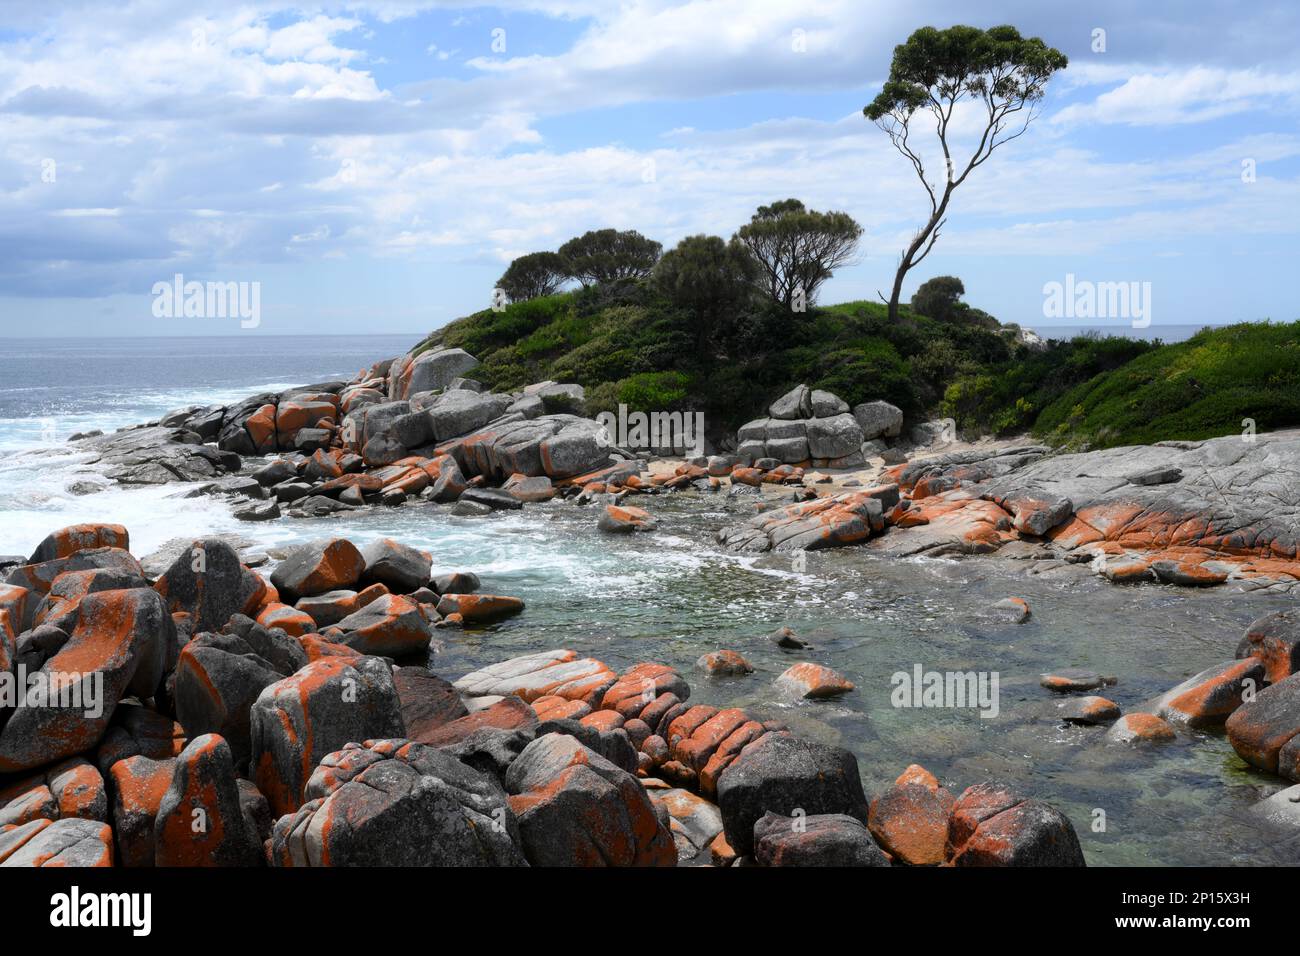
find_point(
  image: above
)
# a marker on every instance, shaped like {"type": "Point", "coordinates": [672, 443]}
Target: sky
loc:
{"type": "Point", "coordinates": [374, 166]}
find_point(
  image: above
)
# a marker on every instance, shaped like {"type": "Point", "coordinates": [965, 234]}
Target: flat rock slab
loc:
{"type": "Point", "coordinates": [548, 674]}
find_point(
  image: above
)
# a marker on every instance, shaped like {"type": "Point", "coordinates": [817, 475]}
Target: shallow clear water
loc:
{"type": "Point", "coordinates": [672, 595]}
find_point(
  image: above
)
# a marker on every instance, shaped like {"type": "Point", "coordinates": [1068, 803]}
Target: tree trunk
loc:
{"type": "Point", "coordinates": [905, 264]}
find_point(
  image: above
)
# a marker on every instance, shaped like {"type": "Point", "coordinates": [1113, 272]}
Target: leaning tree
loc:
{"type": "Point", "coordinates": [934, 72]}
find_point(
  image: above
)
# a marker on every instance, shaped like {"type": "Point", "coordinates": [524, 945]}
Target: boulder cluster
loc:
{"type": "Point", "coordinates": [815, 428]}
{"type": "Point", "coordinates": [208, 716]}
{"type": "Point", "coordinates": [411, 426]}
{"type": "Point", "coordinates": [1187, 514]}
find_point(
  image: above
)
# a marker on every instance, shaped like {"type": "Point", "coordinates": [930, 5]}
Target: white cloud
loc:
{"type": "Point", "coordinates": [1192, 95]}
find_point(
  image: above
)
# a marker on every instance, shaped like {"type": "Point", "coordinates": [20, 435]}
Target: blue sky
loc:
{"type": "Point", "coordinates": [375, 165]}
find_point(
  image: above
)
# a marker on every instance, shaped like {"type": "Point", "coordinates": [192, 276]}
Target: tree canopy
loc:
{"type": "Point", "coordinates": [604, 255]}
{"type": "Point", "coordinates": [711, 278]}
{"type": "Point", "coordinates": [797, 249]}
{"type": "Point", "coordinates": [533, 275]}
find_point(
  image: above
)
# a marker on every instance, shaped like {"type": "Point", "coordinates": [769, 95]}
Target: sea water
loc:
{"type": "Point", "coordinates": [673, 595]}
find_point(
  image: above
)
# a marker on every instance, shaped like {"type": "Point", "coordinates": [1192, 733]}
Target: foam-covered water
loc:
{"type": "Point", "coordinates": [673, 595]}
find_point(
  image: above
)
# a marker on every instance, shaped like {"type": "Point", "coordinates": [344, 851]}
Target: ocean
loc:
{"type": "Point", "coordinates": [674, 595]}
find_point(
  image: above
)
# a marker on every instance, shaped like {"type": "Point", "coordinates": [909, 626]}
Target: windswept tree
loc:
{"type": "Point", "coordinates": [710, 277]}
{"type": "Point", "coordinates": [797, 249]}
{"type": "Point", "coordinates": [933, 73]}
{"type": "Point", "coordinates": [533, 275]}
{"type": "Point", "coordinates": [604, 255]}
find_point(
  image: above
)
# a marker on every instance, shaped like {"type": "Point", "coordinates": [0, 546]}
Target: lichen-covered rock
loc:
{"type": "Point", "coordinates": [398, 803]}
{"type": "Point", "coordinates": [139, 785]}
{"type": "Point", "coordinates": [782, 773]}
{"type": "Point", "coordinates": [1262, 729]}
{"type": "Point", "coordinates": [427, 701]}
{"type": "Point", "coordinates": [298, 720]}
{"type": "Point", "coordinates": [821, 839]}
{"type": "Point", "coordinates": [208, 582]}
{"type": "Point", "coordinates": [575, 808]}
{"type": "Point", "coordinates": [992, 826]}
{"type": "Point", "coordinates": [393, 625]}
{"type": "Point", "coordinates": [558, 673]}
{"type": "Point", "coordinates": [1209, 698]}
{"type": "Point", "coordinates": [1275, 640]}
{"type": "Point", "coordinates": [328, 565]}
{"type": "Point", "coordinates": [201, 821]}
{"type": "Point", "coordinates": [910, 819]}
{"type": "Point", "coordinates": [479, 608]}
{"type": "Point", "coordinates": [218, 678]}
{"type": "Point", "coordinates": [1138, 729]}
{"type": "Point", "coordinates": [813, 681]}
{"type": "Point", "coordinates": [72, 842]}
{"type": "Point", "coordinates": [66, 542]}
{"type": "Point", "coordinates": [119, 647]}
{"type": "Point", "coordinates": [724, 664]}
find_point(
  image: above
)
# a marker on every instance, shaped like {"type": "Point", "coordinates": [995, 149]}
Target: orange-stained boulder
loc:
{"type": "Point", "coordinates": [575, 808]}
{"type": "Point", "coordinates": [813, 681]}
{"type": "Point", "coordinates": [724, 664]}
{"type": "Point", "coordinates": [1260, 730]}
{"type": "Point", "coordinates": [208, 582]}
{"type": "Point", "coordinates": [119, 647]}
{"type": "Point", "coordinates": [1207, 699]}
{"type": "Point", "coordinates": [479, 608]}
{"type": "Point", "coordinates": [640, 685]}
{"type": "Point", "coordinates": [1274, 639]}
{"type": "Point", "coordinates": [293, 622]}
{"type": "Point", "coordinates": [822, 839]}
{"type": "Point", "coordinates": [66, 542]}
{"type": "Point", "coordinates": [991, 826]}
{"type": "Point", "coordinates": [1139, 729]}
{"type": "Point", "coordinates": [560, 708]}
{"type": "Point", "coordinates": [508, 713]}
{"type": "Point", "coordinates": [398, 803]}
{"type": "Point", "coordinates": [726, 752]}
{"type": "Point", "coordinates": [260, 427]}
{"type": "Point", "coordinates": [201, 820]}
{"type": "Point", "coordinates": [910, 820]}
{"type": "Point", "coordinates": [298, 720]}
{"type": "Point", "coordinates": [623, 519]}
{"type": "Point", "coordinates": [696, 749]}
{"type": "Point", "coordinates": [138, 731]}
{"type": "Point", "coordinates": [139, 785]}
{"type": "Point", "coordinates": [291, 417]}
{"type": "Point", "coordinates": [330, 564]}
{"type": "Point", "coordinates": [391, 626]}
{"type": "Point", "coordinates": [318, 647]}
{"type": "Point", "coordinates": [545, 674]}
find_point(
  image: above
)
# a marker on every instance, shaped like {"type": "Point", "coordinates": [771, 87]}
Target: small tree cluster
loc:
{"type": "Point", "coordinates": [605, 255]}
{"type": "Point", "coordinates": [797, 249]}
{"type": "Point", "coordinates": [533, 275]}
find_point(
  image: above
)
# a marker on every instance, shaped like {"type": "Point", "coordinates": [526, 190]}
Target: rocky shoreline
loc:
{"type": "Point", "coordinates": [300, 715]}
